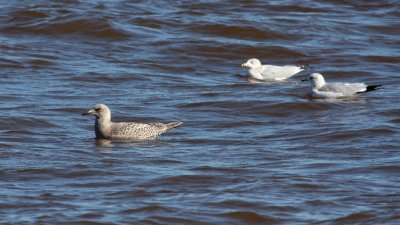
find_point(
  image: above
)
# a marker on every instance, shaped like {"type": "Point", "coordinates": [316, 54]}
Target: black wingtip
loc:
{"type": "Point", "coordinates": [371, 88]}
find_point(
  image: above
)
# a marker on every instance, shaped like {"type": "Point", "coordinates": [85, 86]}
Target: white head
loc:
{"type": "Point", "coordinates": [252, 63]}
{"type": "Point", "coordinates": [101, 111]}
{"type": "Point", "coordinates": [316, 80]}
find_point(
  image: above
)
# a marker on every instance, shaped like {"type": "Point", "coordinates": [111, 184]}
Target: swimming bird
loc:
{"type": "Point", "coordinates": [319, 88]}
{"type": "Point", "coordinates": [105, 129]}
{"type": "Point", "coordinates": [271, 72]}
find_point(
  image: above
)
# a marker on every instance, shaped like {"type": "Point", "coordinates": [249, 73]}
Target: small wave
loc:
{"type": "Point", "coordinates": [165, 161]}
{"type": "Point", "coordinates": [230, 31]}
{"type": "Point", "coordinates": [88, 25]}
{"type": "Point", "coordinates": [106, 79]}
{"type": "Point", "coordinates": [381, 59]}
{"type": "Point", "coordinates": [8, 63]}
{"type": "Point", "coordinates": [350, 134]}
{"type": "Point", "coordinates": [250, 217]}
{"type": "Point", "coordinates": [19, 132]}
{"type": "Point", "coordinates": [301, 9]}
{"type": "Point", "coordinates": [216, 141]}
{"type": "Point", "coordinates": [391, 112]}
{"type": "Point", "coordinates": [40, 63]}
{"type": "Point", "coordinates": [27, 15]}
{"type": "Point", "coordinates": [86, 221]}
{"type": "Point", "coordinates": [85, 173]}
{"type": "Point", "coordinates": [75, 111]}
{"type": "Point", "coordinates": [395, 169]}
{"type": "Point", "coordinates": [382, 29]}
{"type": "Point", "coordinates": [85, 184]}
{"type": "Point", "coordinates": [131, 194]}
{"type": "Point", "coordinates": [395, 121]}
{"type": "Point", "coordinates": [258, 108]}
{"type": "Point", "coordinates": [234, 203]}
{"type": "Point", "coordinates": [91, 215]}
{"type": "Point", "coordinates": [224, 104]}
{"type": "Point", "coordinates": [186, 180]}
{"type": "Point", "coordinates": [4, 146]}
{"type": "Point", "coordinates": [232, 52]}
{"type": "Point", "coordinates": [355, 218]}
{"type": "Point", "coordinates": [168, 220]}
{"type": "Point", "coordinates": [387, 169]}
{"type": "Point", "coordinates": [16, 123]}
{"type": "Point", "coordinates": [236, 124]}
{"type": "Point", "coordinates": [147, 209]}
{"type": "Point", "coordinates": [308, 186]}
{"type": "Point", "coordinates": [40, 171]}
{"type": "Point", "coordinates": [147, 22]}
{"type": "Point", "coordinates": [218, 169]}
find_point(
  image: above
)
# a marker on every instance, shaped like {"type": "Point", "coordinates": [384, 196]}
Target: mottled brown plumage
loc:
{"type": "Point", "coordinates": [105, 129]}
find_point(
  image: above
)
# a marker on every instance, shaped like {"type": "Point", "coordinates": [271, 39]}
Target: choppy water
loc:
{"type": "Point", "coordinates": [247, 153]}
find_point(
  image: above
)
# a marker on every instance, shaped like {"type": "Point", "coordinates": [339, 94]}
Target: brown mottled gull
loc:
{"type": "Point", "coordinates": [105, 129]}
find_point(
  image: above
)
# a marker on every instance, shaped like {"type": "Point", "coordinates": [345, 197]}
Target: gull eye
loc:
{"type": "Point", "coordinates": [97, 109]}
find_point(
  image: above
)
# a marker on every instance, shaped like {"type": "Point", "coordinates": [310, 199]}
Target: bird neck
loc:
{"type": "Point", "coordinates": [104, 118]}
{"type": "Point", "coordinates": [102, 126]}
{"type": "Point", "coordinates": [319, 84]}
{"type": "Point", "coordinates": [256, 73]}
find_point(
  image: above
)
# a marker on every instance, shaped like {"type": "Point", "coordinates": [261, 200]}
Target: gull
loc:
{"type": "Point", "coordinates": [105, 129]}
{"type": "Point", "coordinates": [319, 88]}
{"type": "Point", "coordinates": [271, 72]}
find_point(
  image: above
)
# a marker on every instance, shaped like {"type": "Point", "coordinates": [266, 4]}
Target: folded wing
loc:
{"type": "Point", "coordinates": [279, 72]}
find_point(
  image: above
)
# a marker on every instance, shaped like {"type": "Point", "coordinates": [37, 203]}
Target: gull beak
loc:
{"type": "Point", "coordinates": [91, 111]}
{"type": "Point", "coordinates": [243, 65]}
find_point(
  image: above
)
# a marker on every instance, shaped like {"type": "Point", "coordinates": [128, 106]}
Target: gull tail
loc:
{"type": "Point", "coordinates": [370, 88]}
{"type": "Point", "coordinates": [173, 125]}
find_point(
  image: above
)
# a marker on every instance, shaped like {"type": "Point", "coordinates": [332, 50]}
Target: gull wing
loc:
{"type": "Point", "coordinates": [346, 89]}
{"type": "Point", "coordinates": [279, 72]}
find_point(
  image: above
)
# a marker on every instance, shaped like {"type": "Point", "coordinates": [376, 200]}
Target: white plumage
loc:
{"type": "Point", "coordinates": [270, 72]}
{"type": "Point", "coordinates": [319, 88]}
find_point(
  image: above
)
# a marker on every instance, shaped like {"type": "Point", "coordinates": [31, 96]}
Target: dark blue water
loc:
{"type": "Point", "coordinates": [248, 153]}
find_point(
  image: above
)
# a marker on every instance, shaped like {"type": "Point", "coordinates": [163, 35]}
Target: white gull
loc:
{"type": "Point", "coordinates": [320, 89]}
{"type": "Point", "coordinates": [271, 72]}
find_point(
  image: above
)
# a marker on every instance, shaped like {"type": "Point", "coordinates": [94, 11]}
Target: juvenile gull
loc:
{"type": "Point", "coordinates": [105, 129]}
{"type": "Point", "coordinates": [319, 88]}
{"type": "Point", "coordinates": [270, 72]}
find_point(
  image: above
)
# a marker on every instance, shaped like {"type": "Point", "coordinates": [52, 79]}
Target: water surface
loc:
{"type": "Point", "coordinates": [248, 153]}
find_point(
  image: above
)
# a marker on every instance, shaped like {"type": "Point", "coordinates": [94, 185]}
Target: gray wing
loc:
{"type": "Point", "coordinates": [347, 89]}
{"type": "Point", "coordinates": [326, 94]}
{"type": "Point", "coordinates": [279, 72]}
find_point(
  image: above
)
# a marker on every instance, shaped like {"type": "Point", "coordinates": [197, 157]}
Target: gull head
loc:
{"type": "Point", "coordinates": [316, 80]}
{"type": "Point", "coordinates": [101, 111]}
{"type": "Point", "coordinates": [252, 63]}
